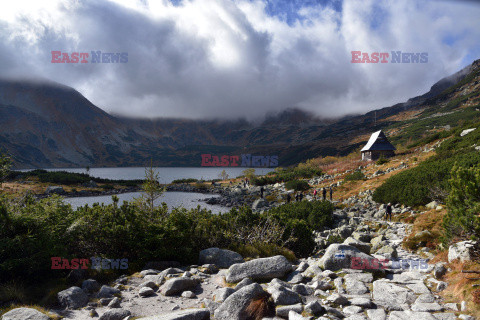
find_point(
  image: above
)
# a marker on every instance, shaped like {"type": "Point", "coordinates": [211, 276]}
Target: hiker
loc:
{"type": "Point", "coordinates": [262, 190]}
{"type": "Point", "coordinates": [315, 194]}
{"type": "Point", "coordinates": [388, 212]}
{"type": "Point", "coordinates": [289, 198]}
{"type": "Point", "coordinates": [331, 193]}
{"type": "Point", "coordinates": [324, 194]}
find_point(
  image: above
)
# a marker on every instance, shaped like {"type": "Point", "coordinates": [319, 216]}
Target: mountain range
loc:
{"type": "Point", "coordinates": [45, 124]}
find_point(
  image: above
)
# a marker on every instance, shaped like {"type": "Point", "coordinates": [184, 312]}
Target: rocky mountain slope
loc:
{"type": "Point", "coordinates": [45, 124]}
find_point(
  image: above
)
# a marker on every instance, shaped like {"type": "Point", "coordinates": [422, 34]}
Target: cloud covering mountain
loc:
{"type": "Point", "coordinates": [229, 59]}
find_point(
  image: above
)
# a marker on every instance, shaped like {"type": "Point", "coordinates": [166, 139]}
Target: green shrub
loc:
{"type": "Point", "coordinates": [287, 174]}
{"type": "Point", "coordinates": [201, 186]}
{"type": "Point", "coordinates": [297, 185]}
{"type": "Point", "coordinates": [424, 183]}
{"type": "Point", "coordinates": [356, 175]}
{"type": "Point", "coordinates": [382, 161]}
{"type": "Point", "coordinates": [300, 220]}
{"type": "Point", "coordinates": [463, 205]}
{"type": "Point", "coordinates": [30, 234]}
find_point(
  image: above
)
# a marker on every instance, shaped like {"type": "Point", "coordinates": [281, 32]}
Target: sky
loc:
{"type": "Point", "coordinates": [203, 59]}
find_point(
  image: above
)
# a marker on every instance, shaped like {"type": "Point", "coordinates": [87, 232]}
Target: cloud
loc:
{"type": "Point", "coordinates": [229, 59]}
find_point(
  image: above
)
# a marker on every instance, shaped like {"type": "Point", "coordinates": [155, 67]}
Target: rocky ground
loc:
{"type": "Point", "coordinates": [368, 276]}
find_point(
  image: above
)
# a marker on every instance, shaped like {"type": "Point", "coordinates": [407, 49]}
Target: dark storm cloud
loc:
{"type": "Point", "coordinates": [227, 59]}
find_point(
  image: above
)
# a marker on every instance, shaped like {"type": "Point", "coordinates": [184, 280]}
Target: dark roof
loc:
{"type": "Point", "coordinates": [378, 142]}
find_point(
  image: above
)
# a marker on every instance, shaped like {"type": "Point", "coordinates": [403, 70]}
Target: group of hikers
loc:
{"type": "Point", "coordinates": [299, 196]}
{"type": "Point", "coordinates": [324, 194]}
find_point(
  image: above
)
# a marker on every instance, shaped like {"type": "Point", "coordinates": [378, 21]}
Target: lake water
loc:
{"type": "Point", "coordinates": [172, 199]}
{"type": "Point", "coordinates": [188, 200]}
{"type": "Point", "coordinates": [166, 174]}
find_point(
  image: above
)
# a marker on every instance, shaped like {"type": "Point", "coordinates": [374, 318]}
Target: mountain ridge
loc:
{"type": "Point", "coordinates": [47, 124]}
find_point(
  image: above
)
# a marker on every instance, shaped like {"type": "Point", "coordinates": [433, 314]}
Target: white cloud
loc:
{"type": "Point", "coordinates": [218, 58]}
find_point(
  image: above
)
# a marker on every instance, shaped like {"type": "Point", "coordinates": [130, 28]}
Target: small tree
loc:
{"type": "Point", "coordinates": [87, 169]}
{"type": "Point", "coordinates": [5, 165]}
{"type": "Point", "coordinates": [151, 188]}
{"type": "Point", "coordinates": [249, 173]}
{"type": "Point", "coordinates": [223, 175]}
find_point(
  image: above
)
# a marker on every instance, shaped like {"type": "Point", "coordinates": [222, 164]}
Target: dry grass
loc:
{"type": "Point", "coordinates": [431, 221]}
{"type": "Point", "coordinates": [460, 287]}
{"type": "Point", "coordinates": [403, 116]}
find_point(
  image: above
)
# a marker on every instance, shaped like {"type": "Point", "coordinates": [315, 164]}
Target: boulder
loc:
{"type": "Point", "coordinates": [188, 314]}
{"type": "Point", "coordinates": [404, 315]}
{"type": "Point", "coordinates": [362, 302]}
{"type": "Point", "coordinates": [284, 310]}
{"type": "Point", "coordinates": [362, 236]}
{"type": "Point", "coordinates": [90, 285]}
{"type": "Point", "coordinates": [222, 258]}
{"type": "Point", "coordinates": [115, 314]}
{"type": "Point", "coordinates": [24, 314]}
{"type": "Point", "coordinates": [259, 269]}
{"type": "Point", "coordinates": [392, 296]}
{"type": "Point", "coordinates": [107, 292]}
{"type": "Point", "coordinates": [338, 299]}
{"type": "Point", "coordinates": [426, 307]}
{"type": "Point", "coordinates": [355, 287]}
{"type": "Point", "coordinates": [234, 307]}
{"type": "Point", "coordinates": [259, 204]}
{"type": "Point", "coordinates": [177, 285]}
{"type": "Point", "coordinates": [222, 294]}
{"type": "Point", "coordinates": [283, 296]}
{"type": "Point", "coordinates": [54, 190]}
{"type": "Point", "coordinates": [146, 292]}
{"type": "Point", "coordinates": [461, 250]}
{"type": "Point", "coordinates": [439, 270]}
{"type": "Point", "coordinates": [115, 303]}
{"type": "Point", "coordinates": [292, 315]}
{"type": "Point", "coordinates": [188, 294]}
{"type": "Point", "coordinates": [422, 234]}
{"type": "Point", "coordinates": [72, 298]}
{"type": "Point", "coordinates": [432, 205]}
{"type": "Point", "coordinates": [339, 256]}
{"type": "Point", "coordinates": [314, 308]}
{"type": "Point", "coordinates": [302, 290]}
{"type": "Point", "coordinates": [245, 282]}
{"type": "Point", "coordinates": [377, 314]}
{"type": "Point", "coordinates": [388, 252]}
{"type": "Point", "coordinates": [156, 279]}
{"type": "Point", "coordinates": [362, 246]}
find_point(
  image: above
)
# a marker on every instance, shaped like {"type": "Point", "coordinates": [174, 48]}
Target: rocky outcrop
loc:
{"type": "Point", "coordinates": [24, 314]}
{"type": "Point", "coordinates": [460, 250]}
{"type": "Point", "coordinates": [234, 307]}
{"type": "Point", "coordinates": [72, 298]}
{"type": "Point", "coordinates": [221, 258]}
{"type": "Point", "coordinates": [339, 256]}
{"type": "Point", "coordinates": [192, 314]}
{"type": "Point", "coordinates": [260, 269]}
{"type": "Point", "coordinates": [178, 285]}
